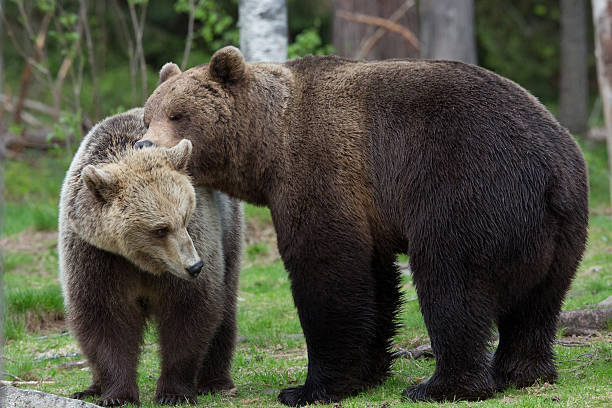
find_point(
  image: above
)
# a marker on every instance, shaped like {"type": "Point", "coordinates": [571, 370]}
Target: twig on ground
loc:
{"type": "Point", "coordinates": [10, 375]}
{"type": "Point", "coordinates": [14, 383]}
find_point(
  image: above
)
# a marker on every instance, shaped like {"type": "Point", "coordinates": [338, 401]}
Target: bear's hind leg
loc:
{"type": "Point", "coordinates": [389, 302]}
{"type": "Point", "coordinates": [527, 332]}
{"type": "Point", "coordinates": [214, 374]}
{"type": "Point", "coordinates": [458, 315]}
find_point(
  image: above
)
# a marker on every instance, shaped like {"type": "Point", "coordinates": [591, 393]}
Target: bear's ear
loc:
{"type": "Point", "coordinates": [180, 154]}
{"type": "Point", "coordinates": [169, 69]}
{"type": "Point", "coordinates": [227, 65]}
{"type": "Point", "coordinates": [100, 182]}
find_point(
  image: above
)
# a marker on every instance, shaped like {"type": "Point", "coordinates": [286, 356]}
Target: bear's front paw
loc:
{"type": "Point", "coordinates": [175, 399]}
{"type": "Point", "coordinates": [117, 402]}
{"type": "Point", "coordinates": [92, 391]}
{"type": "Point", "coordinates": [303, 395]}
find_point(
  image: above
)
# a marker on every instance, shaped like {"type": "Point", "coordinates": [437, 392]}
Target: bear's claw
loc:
{"type": "Point", "coordinates": [92, 391]}
{"type": "Point", "coordinates": [84, 394]}
{"type": "Point", "coordinates": [302, 395]}
{"type": "Point", "coordinates": [172, 399]}
{"type": "Point", "coordinates": [224, 386]}
{"type": "Point", "coordinates": [435, 390]}
{"type": "Point", "coordinates": [116, 402]}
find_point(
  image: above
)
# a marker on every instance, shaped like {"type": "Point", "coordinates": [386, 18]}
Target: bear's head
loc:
{"type": "Point", "coordinates": [146, 201]}
{"type": "Point", "coordinates": [199, 102]}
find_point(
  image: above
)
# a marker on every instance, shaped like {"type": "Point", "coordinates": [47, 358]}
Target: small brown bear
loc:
{"type": "Point", "coordinates": [136, 240]}
{"type": "Point", "coordinates": [457, 167]}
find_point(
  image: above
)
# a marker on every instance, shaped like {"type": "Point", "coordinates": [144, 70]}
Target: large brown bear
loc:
{"type": "Point", "coordinates": [461, 169]}
{"type": "Point", "coordinates": [137, 241]}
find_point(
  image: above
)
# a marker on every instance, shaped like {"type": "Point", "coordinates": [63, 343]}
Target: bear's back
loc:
{"type": "Point", "coordinates": [441, 132]}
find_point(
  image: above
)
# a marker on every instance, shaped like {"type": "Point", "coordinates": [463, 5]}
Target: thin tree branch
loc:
{"type": "Point", "coordinates": [127, 37]}
{"type": "Point", "coordinates": [381, 22]}
{"type": "Point", "coordinates": [371, 41]}
{"type": "Point", "coordinates": [26, 20]}
{"type": "Point", "coordinates": [6, 100]}
{"type": "Point", "coordinates": [189, 35]}
{"type": "Point", "coordinates": [27, 71]}
{"type": "Point", "coordinates": [91, 56]}
{"type": "Point", "coordinates": [138, 33]}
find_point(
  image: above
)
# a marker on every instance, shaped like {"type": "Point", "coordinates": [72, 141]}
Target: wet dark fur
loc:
{"type": "Point", "coordinates": [449, 163]}
{"type": "Point", "coordinates": [108, 299]}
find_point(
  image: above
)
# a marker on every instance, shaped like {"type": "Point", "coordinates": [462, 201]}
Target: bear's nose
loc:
{"type": "Point", "coordinates": [194, 270]}
{"type": "Point", "coordinates": [143, 143]}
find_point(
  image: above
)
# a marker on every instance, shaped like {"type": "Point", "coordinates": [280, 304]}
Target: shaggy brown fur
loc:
{"type": "Point", "coordinates": [459, 168]}
{"type": "Point", "coordinates": [132, 233]}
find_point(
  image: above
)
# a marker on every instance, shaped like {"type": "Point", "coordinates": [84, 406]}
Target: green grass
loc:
{"type": "Point", "coordinates": [31, 191]}
{"type": "Point", "coordinates": [260, 214]}
{"type": "Point", "coordinates": [271, 353]}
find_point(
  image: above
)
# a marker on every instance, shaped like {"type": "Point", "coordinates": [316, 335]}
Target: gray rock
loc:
{"type": "Point", "coordinates": [11, 397]}
{"type": "Point", "coordinates": [404, 268]}
{"type": "Point", "coordinates": [606, 302]}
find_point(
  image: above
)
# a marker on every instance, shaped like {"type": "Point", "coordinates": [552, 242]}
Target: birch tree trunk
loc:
{"type": "Point", "coordinates": [263, 30]}
{"type": "Point", "coordinates": [602, 19]}
{"type": "Point", "coordinates": [573, 93]}
{"type": "Point", "coordinates": [447, 30]}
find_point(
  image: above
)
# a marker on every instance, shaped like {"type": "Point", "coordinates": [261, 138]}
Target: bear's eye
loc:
{"type": "Point", "coordinates": [176, 117]}
{"type": "Point", "coordinates": [161, 232]}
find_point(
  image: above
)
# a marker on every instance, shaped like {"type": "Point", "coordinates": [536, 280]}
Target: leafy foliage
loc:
{"type": "Point", "coordinates": [309, 42]}
{"type": "Point", "coordinates": [216, 21]}
{"type": "Point", "coordinates": [521, 40]}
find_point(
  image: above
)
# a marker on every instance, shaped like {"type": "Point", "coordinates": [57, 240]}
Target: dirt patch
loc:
{"type": "Point", "coordinates": [29, 242]}
{"type": "Point", "coordinates": [290, 354]}
{"type": "Point", "coordinates": [578, 341]}
{"type": "Point", "coordinates": [260, 232]}
{"type": "Point", "coordinates": [45, 323]}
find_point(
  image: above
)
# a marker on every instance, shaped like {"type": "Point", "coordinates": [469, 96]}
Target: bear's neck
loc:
{"type": "Point", "coordinates": [256, 151]}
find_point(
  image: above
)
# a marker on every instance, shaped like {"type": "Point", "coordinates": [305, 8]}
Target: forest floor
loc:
{"type": "Point", "coordinates": [40, 353]}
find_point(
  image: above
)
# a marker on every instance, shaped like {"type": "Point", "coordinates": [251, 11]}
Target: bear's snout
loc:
{"type": "Point", "coordinates": [194, 270]}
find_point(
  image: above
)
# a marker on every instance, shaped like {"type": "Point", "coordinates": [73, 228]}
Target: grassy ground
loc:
{"type": "Point", "coordinates": [271, 353]}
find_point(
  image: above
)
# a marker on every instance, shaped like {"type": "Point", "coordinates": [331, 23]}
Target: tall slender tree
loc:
{"type": "Point", "coordinates": [1, 181]}
{"type": "Point", "coordinates": [2, 127]}
{"type": "Point", "coordinates": [573, 93]}
{"type": "Point", "coordinates": [602, 19]}
{"type": "Point", "coordinates": [447, 30]}
{"type": "Point", "coordinates": [263, 30]}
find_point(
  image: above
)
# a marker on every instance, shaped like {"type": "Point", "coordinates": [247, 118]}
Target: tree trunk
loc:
{"type": "Point", "coordinates": [573, 110]}
{"type": "Point", "coordinates": [263, 30]}
{"type": "Point", "coordinates": [352, 39]}
{"type": "Point", "coordinates": [447, 30]}
{"type": "Point", "coordinates": [2, 128]}
{"type": "Point", "coordinates": [602, 18]}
